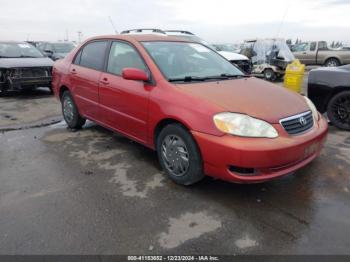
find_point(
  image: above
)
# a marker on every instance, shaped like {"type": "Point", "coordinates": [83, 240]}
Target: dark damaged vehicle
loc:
{"type": "Point", "coordinates": [23, 67]}
{"type": "Point", "coordinates": [56, 50]}
{"type": "Point", "coordinates": [329, 89]}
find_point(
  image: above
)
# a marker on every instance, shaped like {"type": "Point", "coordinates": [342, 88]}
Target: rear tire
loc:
{"type": "Point", "coordinates": [70, 112]}
{"type": "Point", "coordinates": [338, 110]}
{"type": "Point", "coordinates": [332, 62]}
{"type": "Point", "coordinates": [179, 155]}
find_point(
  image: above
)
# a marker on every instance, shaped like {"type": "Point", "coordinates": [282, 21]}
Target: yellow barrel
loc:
{"type": "Point", "coordinates": [294, 76]}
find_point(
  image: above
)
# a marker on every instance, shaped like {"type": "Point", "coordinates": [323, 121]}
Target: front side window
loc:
{"type": "Point", "coordinates": [93, 55]}
{"type": "Point", "coordinates": [313, 46]}
{"type": "Point", "coordinates": [182, 60]}
{"type": "Point", "coordinates": [122, 56]}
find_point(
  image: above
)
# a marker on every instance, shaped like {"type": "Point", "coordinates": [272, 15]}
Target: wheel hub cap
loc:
{"type": "Point", "coordinates": [175, 155]}
{"type": "Point", "coordinates": [68, 109]}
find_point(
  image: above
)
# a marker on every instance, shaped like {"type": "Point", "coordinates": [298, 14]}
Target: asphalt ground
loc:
{"type": "Point", "coordinates": [96, 192]}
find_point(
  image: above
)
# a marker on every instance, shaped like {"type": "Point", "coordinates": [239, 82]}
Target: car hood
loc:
{"type": "Point", "coordinates": [231, 56]}
{"type": "Point", "coordinates": [251, 96]}
{"type": "Point", "coordinates": [62, 55]}
{"type": "Point", "coordinates": [25, 62]}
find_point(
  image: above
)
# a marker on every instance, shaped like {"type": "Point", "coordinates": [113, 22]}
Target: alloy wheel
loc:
{"type": "Point", "coordinates": [341, 109]}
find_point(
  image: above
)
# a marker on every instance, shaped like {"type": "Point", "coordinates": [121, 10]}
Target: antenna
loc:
{"type": "Point", "coordinates": [111, 21]}
{"type": "Point", "coordinates": [283, 19]}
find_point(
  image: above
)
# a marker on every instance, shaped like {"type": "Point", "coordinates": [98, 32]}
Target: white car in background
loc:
{"type": "Point", "coordinates": [237, 59]}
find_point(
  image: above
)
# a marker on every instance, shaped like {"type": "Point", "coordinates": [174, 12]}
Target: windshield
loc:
{"type": "Point", "coordinates": [227, 47]}
{"type": "Point", "coordinates": [63, 47]}
{"type": "Point", "coordinates": [15, 50]}
{"type": "Point", "coordinates": [180, 59]}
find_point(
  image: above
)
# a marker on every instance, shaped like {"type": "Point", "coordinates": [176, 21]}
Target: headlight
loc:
{"type": "Point", "coordinates": [244, 125]}
{"type": "Point", "coordinates": [312, 108]}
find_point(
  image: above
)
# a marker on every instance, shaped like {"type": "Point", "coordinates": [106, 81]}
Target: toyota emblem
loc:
{"type": "Point", "coordinates": [302, 121]}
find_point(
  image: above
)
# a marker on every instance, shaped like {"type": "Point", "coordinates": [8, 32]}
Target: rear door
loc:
{"type": "Point", "coordinates": [124, 103]}
{"type": "Point", "coordinates": [85, 73]}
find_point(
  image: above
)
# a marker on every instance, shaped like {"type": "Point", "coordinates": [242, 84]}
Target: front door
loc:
{"type": "Point", "coordinates": [124, 103]}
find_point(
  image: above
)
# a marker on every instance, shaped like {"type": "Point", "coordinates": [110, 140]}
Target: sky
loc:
{"type": "Point", "coordinates": [217, 21]}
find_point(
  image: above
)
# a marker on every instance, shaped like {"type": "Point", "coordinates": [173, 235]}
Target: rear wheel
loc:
{"type": "Point", "coordinates": [332, 62]}
{"type": "Point", "coordinates": [70, 112]}
{"type": "Point", "coordinates": [269, 74]}
{"type": "Point", "coordinates": [338, 110]}
{"type": "Point", "coordinates": [179, 155]}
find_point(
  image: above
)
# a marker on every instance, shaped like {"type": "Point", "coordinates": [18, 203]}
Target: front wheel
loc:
{"type": "Point", "coordinates": [338, 110]}
{"type": "Point", "coordinates": [179, 155]}
{"type": "Point", "coordinates": [269, 74]}
{"type": "Point", "coordinates": [70, 112]}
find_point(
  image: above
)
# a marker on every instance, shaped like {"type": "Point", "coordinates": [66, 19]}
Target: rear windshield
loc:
{"type": "Point", "coordinates": [16, 50]}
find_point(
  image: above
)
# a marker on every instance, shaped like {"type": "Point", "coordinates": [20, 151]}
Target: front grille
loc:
{"type": "Point", "coordinates": [298, 124]}
{"type": "Point", "coordinates": [34, 72]}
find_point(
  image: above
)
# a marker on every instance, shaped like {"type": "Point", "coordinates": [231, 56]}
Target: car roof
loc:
{"type": "Point", "coordinates": [140, 37]}
{"type": "Point", "coordinates": [55, 42]}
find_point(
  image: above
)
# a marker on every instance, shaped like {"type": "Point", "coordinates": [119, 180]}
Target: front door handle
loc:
{"type": "Point", "coordinates": [104, 81]}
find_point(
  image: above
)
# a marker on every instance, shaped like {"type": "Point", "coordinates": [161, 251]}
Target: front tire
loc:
{"type": "Point", "coordinates": [269, 75]}
{"type": "Point", "coordinates": [338, 110]}
{"type": "Point", "coordinates": [70, 112]}
{"type": "Point", "coordinates": [179, 155]}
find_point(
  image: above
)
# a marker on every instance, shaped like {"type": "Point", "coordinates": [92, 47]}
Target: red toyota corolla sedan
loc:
{"type": "Point", "coordinates": [198, 111]}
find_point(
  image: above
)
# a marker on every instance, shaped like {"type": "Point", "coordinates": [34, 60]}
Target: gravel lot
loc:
{"type": "Point", "coordinates": [95, 192]}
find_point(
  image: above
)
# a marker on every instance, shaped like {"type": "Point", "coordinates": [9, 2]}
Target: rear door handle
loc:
{"type": "Point", "coordinates": [73, 71]}
{"type": "Point", "coordinates": [104, 81]}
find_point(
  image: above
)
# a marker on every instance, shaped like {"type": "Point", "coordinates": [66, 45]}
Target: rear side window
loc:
{"type": "Point", "coordinates": [92, 55]}
{"type": "Point", "coordinates": [123, 55]}
{"type": "Point", "coordinates": [322, 45]}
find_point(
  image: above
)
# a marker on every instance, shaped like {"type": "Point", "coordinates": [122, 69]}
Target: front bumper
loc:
{"type": "Point", "coordinates": [25, 78]}
{"type": "Point", "coordinates": [269, 158]}
{"type": "Point", "coordinates": [21, 83]}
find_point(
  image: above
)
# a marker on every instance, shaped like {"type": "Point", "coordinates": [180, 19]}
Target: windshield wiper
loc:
{"type": "Point", "coordinates": [205, 78]}
{"type": "Point", "coordinates": [28, 56]}
{"type": "Point", "coordinates": [196, 78]}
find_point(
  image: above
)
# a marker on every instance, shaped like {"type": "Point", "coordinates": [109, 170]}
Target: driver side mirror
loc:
{"type": "Point", "coordinates": [48, 52]}
{"type": "Point", "coordinates": [134, 74]}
